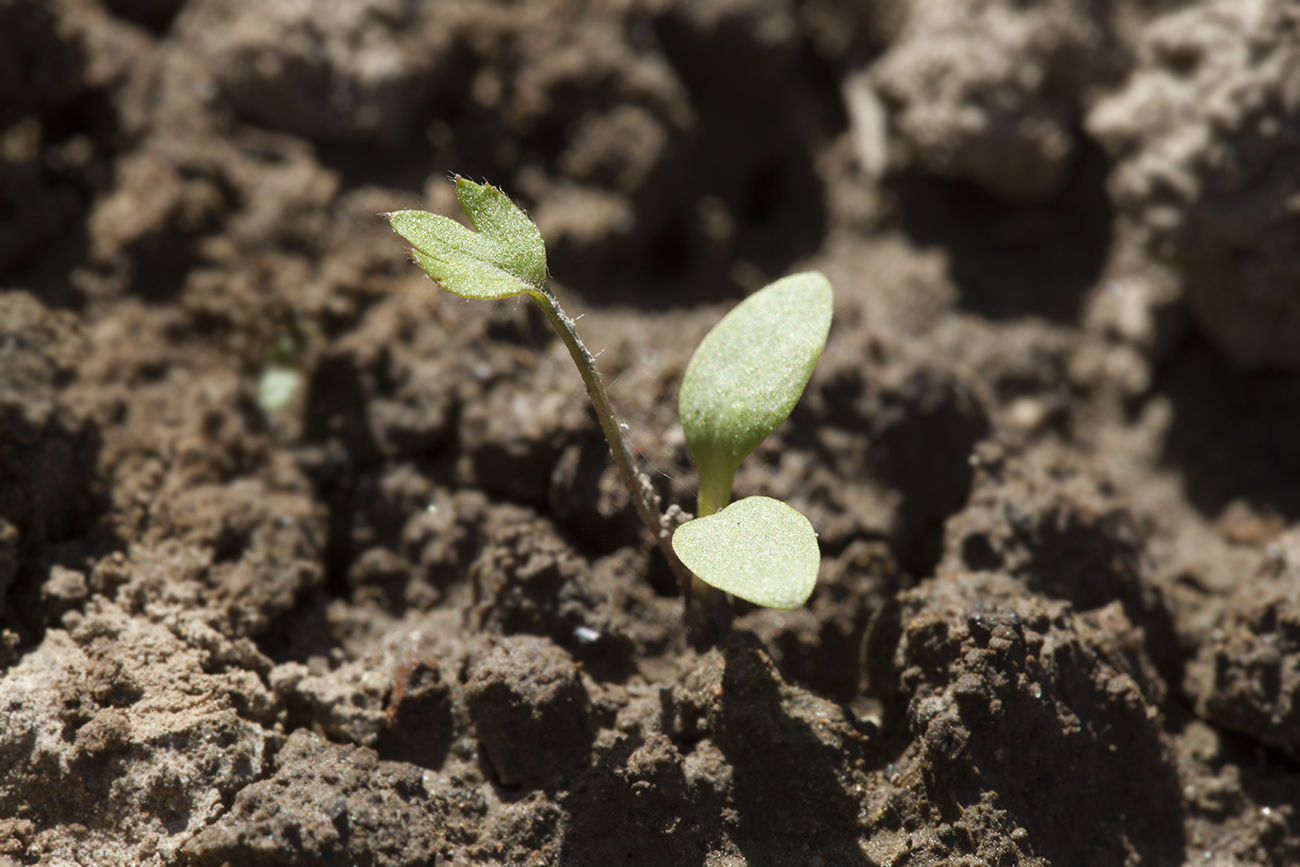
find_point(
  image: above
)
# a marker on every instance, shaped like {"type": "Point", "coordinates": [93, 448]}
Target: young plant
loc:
{"type": "Point", "coordinates": [743, 381]}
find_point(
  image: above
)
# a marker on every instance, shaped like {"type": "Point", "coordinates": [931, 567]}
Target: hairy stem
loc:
{"type": "Point", "coordinates": [644, 498]}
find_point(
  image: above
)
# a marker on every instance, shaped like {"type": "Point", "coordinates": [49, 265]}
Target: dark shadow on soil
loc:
{"type": "Point", "coordinates": [733, 202]}
{"type": "Point", "coordinates": [921, 438]}
{"type": "Point", "coordinates": [630, 818]}
{"type": "Point", "coordinates": [1085, 772]}
{"type": "Point", "coordinates": [1012, 260]}
{"type": "Point", "coordinates": [48, 184]}
{"type": "Point", "coordinates": [360, 166]}
{"type": "Point", "coordinates": [1270, 778]}
{"type": "Point", "coordinates": [335, 418]}
{"type": "Point", "coordinates": [925, 456]}
{"type": "Point", "coordinates": [301, 632]}
{"type": "Point", "coordinates": [51, 495]}
{"type": "Point", "coordinates": [1090, 567]}
{"type": "Point", "coordinates": [1235, 436]}
{"type": "Point", "coordinates": [784, 791]}
{"type": "Point", "coordinates": [783, 804]}
{"type": "Point", "coordinates": [49, 276]}
{"type": "Point", "coordinates": [156, 16]}
{"type": "Point", "coordinates": [738, 201]}
{"type": "Point", "coordinates": [421, 715]}
{"type": "Point", "coordinates": [1081, 795]}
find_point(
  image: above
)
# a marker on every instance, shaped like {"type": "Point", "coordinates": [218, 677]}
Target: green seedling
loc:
{"type": "Point", "coordinates": [742, 382]}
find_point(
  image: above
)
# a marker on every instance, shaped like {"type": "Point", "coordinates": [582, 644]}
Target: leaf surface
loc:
{"type": "Point", "coordinates": [503, 258]}
{"type": "Point", "coordinates": [750, 369]}
{"type": "Point", "coordinates": [757, 548]}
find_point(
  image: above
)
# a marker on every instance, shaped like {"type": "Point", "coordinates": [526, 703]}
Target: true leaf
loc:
{"type": "Point", "coordinates": [749, 371]}
{"type": "Point", "coordinates": [757, 548]}
{"type": "Point", "coordinates": [505, 257]}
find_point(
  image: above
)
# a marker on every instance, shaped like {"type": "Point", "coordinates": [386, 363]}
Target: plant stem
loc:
{"type": "Point", "coordinates": [644, 498]}
{"type": "Point", "coordinates": [708, 613]}
{"type": "Point", "coordinates": [715, 490]}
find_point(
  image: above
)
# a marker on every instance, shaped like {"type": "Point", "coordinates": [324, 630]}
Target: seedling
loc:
{"type": "Point", "coordinates": [743, 381]}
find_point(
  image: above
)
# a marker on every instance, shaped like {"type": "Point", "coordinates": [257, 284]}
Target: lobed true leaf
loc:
{"type": "Point", "coordinates": [503, 258]}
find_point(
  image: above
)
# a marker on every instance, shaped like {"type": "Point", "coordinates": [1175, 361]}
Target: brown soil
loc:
{"type": "Point", "coordinates": [304, 561]}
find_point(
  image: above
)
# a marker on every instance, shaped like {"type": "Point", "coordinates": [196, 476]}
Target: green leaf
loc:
{"type": "Point", "coordinates": [757, 548]}
{"type": "Point", "coordinates": [276, 387]}
{"type": "Point", "coordinates": [748, 373]}
{"type": "Point", "coordinates": [505, 257]}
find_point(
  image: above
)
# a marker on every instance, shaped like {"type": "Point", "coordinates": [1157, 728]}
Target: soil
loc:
{"type": "Point", "coordinates": [305, 561]}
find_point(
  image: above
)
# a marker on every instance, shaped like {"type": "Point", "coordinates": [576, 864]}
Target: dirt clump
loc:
{"type": "Point", "coordinates": [305, 561]}
{"type": "Point", "coordinates": [1244, 675]}
{"type": "Point", "coordinates": [1204, 161]}
{"type": "Point", "coordinates": [325, 804]}
{"type": "Point", "coordinates": [527, 703]}
{"type": "Point", "coordinates": [991, 92]}
{"type": "Point", "coordinates": [975, 655]}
